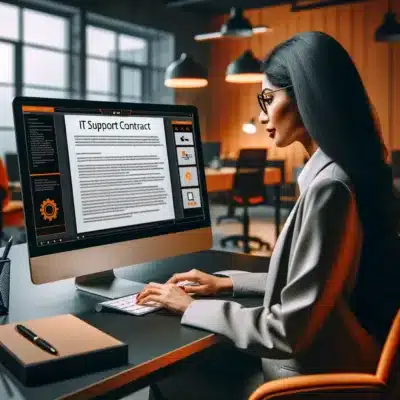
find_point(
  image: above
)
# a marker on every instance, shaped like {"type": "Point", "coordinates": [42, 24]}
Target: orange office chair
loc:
{"type": "Point", "coordinates": [12, 210]}
{"type": "Point", "coordinates": [341, 386]}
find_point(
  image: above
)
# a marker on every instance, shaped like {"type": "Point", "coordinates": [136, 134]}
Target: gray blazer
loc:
{"type": "Point", "coordinates": [305, 325]}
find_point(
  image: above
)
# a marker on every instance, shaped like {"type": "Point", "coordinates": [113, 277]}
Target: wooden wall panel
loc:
{"type": "Point", "coordinates": [230, 105]}
{"type": "Point", "coordinates": [359, 38]}
{"type": "Point", "coordinates": [395, 87]}
{"type": "Point", "coordinates": [377, 66]}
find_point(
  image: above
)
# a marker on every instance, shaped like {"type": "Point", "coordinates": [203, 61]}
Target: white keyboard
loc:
{"type": "Point", "coordinates": [128, 305]}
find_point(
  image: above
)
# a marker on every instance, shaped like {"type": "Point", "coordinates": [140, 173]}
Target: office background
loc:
{"type": "Point", "coordinates": [353, 25]}
{"type": "Point", "coordinates": [119, 51]}
{"type": "Point", "coordinates": [96, 50]}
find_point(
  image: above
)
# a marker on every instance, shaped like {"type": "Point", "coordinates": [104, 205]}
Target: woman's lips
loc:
{"type": "Point", "coordinates": [272, 134]}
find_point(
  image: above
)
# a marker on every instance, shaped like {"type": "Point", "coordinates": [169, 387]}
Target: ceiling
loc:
{"type": "Point", "coordinates": [221, 6]}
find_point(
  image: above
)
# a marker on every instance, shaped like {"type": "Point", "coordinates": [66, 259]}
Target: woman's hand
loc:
{"type": "Point", "coordinates": [168, 295]}
{"type": "Point", "coordinates": [206, 284]}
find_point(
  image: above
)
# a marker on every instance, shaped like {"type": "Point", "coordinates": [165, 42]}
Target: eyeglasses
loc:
{"type": "Point", "coordinates": [263, 100]}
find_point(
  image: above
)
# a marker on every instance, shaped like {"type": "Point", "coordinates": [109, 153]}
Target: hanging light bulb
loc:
{"type": "Point", "coordinates": [245, 69]}
{"type": "Point", "coordinates": [185, 73]}
{"type": "Point", "coordinates": [250, 127]}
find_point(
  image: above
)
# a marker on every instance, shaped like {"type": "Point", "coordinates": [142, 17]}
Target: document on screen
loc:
{"type": "Point", "coordinates": [119, 171]}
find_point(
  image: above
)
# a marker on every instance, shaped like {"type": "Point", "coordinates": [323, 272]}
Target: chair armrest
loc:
{"type": "Point", "coordinates": [322, 386]}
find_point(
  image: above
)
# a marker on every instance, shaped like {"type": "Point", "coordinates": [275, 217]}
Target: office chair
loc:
{"type": "Point", "coordinates": [248, 191]}
{"type": "Point", "coordinates": [12, 210]}
{"type": "Point", "coordinates": [2, 197]}
{"type": "Point", "coordinates": [349, 386]}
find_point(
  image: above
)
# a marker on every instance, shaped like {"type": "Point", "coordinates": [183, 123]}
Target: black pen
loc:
{"type": "Point", "coordinates": [35, 339]}
{"type": "Point", "coordinates": [7, 249]}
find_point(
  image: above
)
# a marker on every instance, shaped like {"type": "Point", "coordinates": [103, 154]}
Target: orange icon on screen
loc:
{"type": "Point", "coordinates": [188, 176]}
{"type": "Point", "coordinates": [49, 210]}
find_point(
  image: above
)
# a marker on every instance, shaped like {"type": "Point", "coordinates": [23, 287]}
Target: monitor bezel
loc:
{"type": "Point", "coordinates": [21, 139]}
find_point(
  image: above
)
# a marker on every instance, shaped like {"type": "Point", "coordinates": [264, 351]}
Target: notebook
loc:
{"type": "Point", "coordinates": [82, 349]}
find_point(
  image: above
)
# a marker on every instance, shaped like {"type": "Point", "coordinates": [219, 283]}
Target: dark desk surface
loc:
{"type": "Point", "coordinates": [156, 341]}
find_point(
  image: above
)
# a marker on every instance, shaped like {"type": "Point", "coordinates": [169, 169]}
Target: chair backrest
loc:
{"type": "Point", "coordinates": [249, 177]}
{"type": "Point", "coordinates": [390, 353]}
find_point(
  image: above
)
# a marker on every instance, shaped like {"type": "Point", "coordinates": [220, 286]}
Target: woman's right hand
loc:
{"type": "Point", "coordinates": [206, 284]}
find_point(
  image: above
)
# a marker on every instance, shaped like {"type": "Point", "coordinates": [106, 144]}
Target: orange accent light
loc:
{"type": "Point", "coordinates": [244, 78]}
{"type": "Point", "coordinates": [186, 83]}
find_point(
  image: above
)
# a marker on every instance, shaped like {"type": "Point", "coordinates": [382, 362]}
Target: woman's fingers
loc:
{"type": "Point", "coordinates": [195, 289]}
{"type": "Point", "coordinates": [151, 298]}
{"type": "Point", "coordinates": [192, 275]}
{"type": "Point", "coordinates": [155, 284]}
{"type": "Point", "coordinates": [184, 276]}
{"type": "Point", "coordinates": [147, 291]}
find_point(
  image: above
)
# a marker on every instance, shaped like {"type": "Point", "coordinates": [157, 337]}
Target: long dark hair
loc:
{"type": "Point", "coordinates": [336, 112]}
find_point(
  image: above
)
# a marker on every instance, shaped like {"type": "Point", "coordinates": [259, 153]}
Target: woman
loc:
{"type": "Point", "coordinates": [324, 304]}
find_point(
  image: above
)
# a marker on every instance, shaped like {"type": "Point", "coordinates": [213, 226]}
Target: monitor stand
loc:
{"type": "Point", "coordinates": [106, 284]}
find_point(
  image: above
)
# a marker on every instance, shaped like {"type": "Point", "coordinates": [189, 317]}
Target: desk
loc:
{"type": "Point", "coordinates": [153, 352]}
{"type": "Point", "coordinates": [219, 180]}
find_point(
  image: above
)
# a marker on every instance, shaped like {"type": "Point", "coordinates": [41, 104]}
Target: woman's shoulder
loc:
{"type": "Point", "coordinates": [331, 178]}
{"type": "Point", "coordinates": [330, 189]}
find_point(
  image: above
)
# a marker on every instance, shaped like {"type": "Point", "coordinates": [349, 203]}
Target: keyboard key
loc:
{"type": "Point", "coordinates": [128, 305]}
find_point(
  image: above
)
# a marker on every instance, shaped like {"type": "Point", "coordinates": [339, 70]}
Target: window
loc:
{"type": "Point", "coordinates": [120, 64]}
{"type": "Point", "coordinates": [42, 54]}
{"type": "Point", "coordinates": [34, 54]}
{"type": "Point", "coordinates": [45, 54]}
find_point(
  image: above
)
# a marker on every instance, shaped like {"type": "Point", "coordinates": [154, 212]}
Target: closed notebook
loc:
{"type": "Point", "coordinates": [82, 349]}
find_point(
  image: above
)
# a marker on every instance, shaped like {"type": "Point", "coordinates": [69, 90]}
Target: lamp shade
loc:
{"type": "Point", "coordinates": [245, 69]}
{"type": "Point", "coordinates": [389, 31]}
{"type": "Point", "coordinates": [185, 73]}
{"type": "Point", "coordinates": [237, 26]}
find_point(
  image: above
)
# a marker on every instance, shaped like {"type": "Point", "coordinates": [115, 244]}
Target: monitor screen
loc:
{"type": "Point", "coordinates": [95, 173]}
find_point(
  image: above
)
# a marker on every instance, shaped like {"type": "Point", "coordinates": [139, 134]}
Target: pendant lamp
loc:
{"type": "Point", "coordinates": [245, 69]}
{"type": "Point", "coordinates": [389, 31]}
{"type": "Point", "coordinates": [236, 26]}
{"type": "Point", "coordinates": [185, 73]}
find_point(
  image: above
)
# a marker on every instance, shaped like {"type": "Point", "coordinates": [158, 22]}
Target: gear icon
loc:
{"type": "Point", "coordinates": [49, 210]}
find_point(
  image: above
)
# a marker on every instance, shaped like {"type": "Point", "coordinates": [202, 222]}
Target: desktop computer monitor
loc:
{"type": "Point", "coordinates": [211, 151]}
{"type": "Point", "coordinates": [107, 185]}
